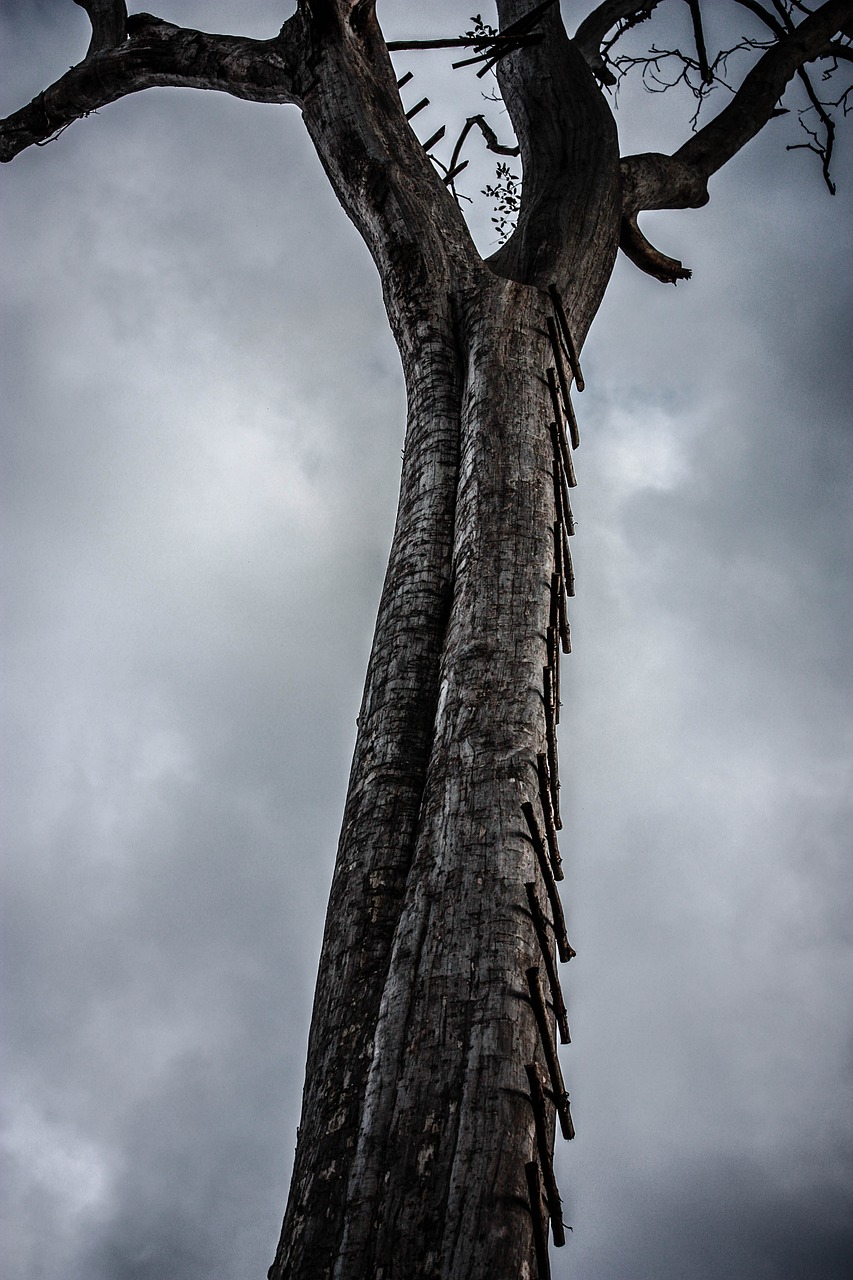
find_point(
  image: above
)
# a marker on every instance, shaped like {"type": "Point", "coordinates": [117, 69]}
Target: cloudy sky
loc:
{"type": "Point", "coordinates": [203, 423]}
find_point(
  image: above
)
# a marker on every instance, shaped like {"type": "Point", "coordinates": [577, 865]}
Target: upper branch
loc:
{"type": "Point", "coordinates": [589, 36]}
{"type": "Point", "coordinates": [568, 221]}
{"type": "Point", "coordinates": [679, 181]}
{"type": "Point", "coordinates": [157, 53]}
{"type": "Point", "coordinates": [109, 23]}
{"type": "Point", "coordinates": [755, 101]}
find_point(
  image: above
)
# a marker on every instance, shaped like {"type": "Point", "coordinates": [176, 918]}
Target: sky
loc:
{"type": "Point", "coordinates": [201, 447]}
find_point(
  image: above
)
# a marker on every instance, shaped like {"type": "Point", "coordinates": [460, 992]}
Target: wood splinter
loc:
{"type": "Point", "coordinates": [564, 950]}
{"type": "Point", "coordinates": [564, 526]}
{"type": "Point", "coordinates": [565, 452]}
{"type": "Point", "coordinates": [568, 567]}
{"type": "Point", "coordinates": [551, 755]}
{"type": "Point", "coordinates": [549, 1181]}
{"type": "Point", "coordinates": [540, 926]}
{"type": "Point", "coordinates": [436, 137]}
{"type": "Point", "coordinates": [574, 429]}
{"type": "Point", "coordinates": [562, 505]}
{"type": "Point", "coordinates": [548, 786]}
{"type": "Point", "coordinates": [455, 172]}
{"type": "Point", "coordinates": [552, 1061]}
{"type": "Point", "coordinates": [556, 534]}
{"type": "Point", "coordinates": [571, 349]}
{"type": "Point", "coordinates": [558, 612]}
{"type": "Point", "coordinates": [562, 377]}
{"type": "Point", "coordinates": [552, 646]}
{"type": "Point", "coordinates": [540, 1234]}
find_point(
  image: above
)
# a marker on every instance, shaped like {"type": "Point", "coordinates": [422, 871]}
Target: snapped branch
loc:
{"type": "Point", "coordinates": [153, 53]}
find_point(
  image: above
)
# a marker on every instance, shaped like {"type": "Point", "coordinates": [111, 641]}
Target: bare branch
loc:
{"type": "Point", "coordinates": [755, 101]}
{"type": "Point", "coordinates": [109, 23]}
{"type": "Point", "coordinates": [664, 69]}
{"type": "Point", "coordinates": [699, 37]}
{"type": "Point", "coordinates": [644, 255]}
{"type": "Point", "coordinates": [484, 43]}
{"type": "Point", "coordinates": [680, 181]}
{"type": "Point", "coordinates": [590, 35]}
{"type": "Point", "coordinates": [822, 147]}
{"type": "Point", "coordinates": [156, 53]}
{"type": "Point", "coordinates": [568, 142]}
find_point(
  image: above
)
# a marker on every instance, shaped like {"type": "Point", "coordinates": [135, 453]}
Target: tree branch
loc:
{"type": "Point", "coordinates": [824, 149]}
{"type": "Point", "coordinates": [699, 37]}
{"type": "Point", "coordinates": [568, 221]}
{"type": "Point", "coordinates": [589, 36]}
{"type": "Point", "coordinates": [157, 53]}
{"type": "Point", "coordinates": [644, 255]}
{"type": "Point", "coordinates": [680, 181]}
{"type": "Point", "coordinates": [109, 23]}
{"type": "Point", "coordinates": [755, 101]}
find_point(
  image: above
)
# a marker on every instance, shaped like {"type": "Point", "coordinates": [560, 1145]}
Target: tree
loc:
{"type": "Point", "coordinates": [473, 343]}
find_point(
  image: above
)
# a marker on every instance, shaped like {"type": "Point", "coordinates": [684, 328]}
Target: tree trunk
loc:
{"type": "Point", "coordinates": [417, 1118]}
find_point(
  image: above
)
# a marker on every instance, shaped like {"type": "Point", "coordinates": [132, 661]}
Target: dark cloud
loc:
{"type": "Point", "coordinates": [738, 1218]}
{"type": "Point", "coordinates": [201, 452]}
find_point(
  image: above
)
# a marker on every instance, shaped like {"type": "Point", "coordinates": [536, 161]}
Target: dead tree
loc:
{"type": "Point", "coordinates": [433, 1085]}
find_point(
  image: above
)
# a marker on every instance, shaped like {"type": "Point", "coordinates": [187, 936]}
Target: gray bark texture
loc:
{"type": "Point", "coordinates": [432, 1086]}
{"type": "Point", "coordinates": [417, 1120]}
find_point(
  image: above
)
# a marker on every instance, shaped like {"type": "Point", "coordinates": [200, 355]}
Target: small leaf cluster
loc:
{"type": "Point", "coordinates": [480, 29]}
{"type": "Point", "coordinates": [506, 194]}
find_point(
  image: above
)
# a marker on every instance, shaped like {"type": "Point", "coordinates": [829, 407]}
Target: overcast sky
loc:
{"type": "Point", "coordinates": [202, 435]}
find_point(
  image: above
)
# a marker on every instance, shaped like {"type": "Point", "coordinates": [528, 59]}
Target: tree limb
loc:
{"type": "Point", "coordinates": [568, 221]}
{"type": "Point", "coordinates": [157, 53]}
{"type": "Point", "coordinates": [589, 36]}
{"type": "Point", "coordinates": [680, 181]}
{"type": "Point", "coordinates": [644, 255]}
{"type": "Point", "coordinates": [699, 37]}
{"type": "Point", "coordinates": [823, 150]}
{"type": "Point", "coordinates": [755, 101]}
{"type": "Point", "coordinates": [109, 23]}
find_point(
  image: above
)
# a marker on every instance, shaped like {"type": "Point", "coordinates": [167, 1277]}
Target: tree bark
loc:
{"type": "Point", "coordinates": [417, 1119]}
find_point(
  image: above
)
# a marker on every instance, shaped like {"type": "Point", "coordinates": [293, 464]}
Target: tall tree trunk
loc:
{"type": "Point", "coordinates": [417, 1121]}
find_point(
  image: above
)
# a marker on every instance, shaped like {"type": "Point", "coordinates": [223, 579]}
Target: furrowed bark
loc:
{"type": "Point", "coordinates": [437, 1182]}
{"type": "Point", "coordinates": [381, 815]}
{"type": "Point", "coordinates": [422, 249]}
{"type": "Point", "coordinates": [571, 198]}
{"type": "Point", "coordinates": [420, 1115]}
